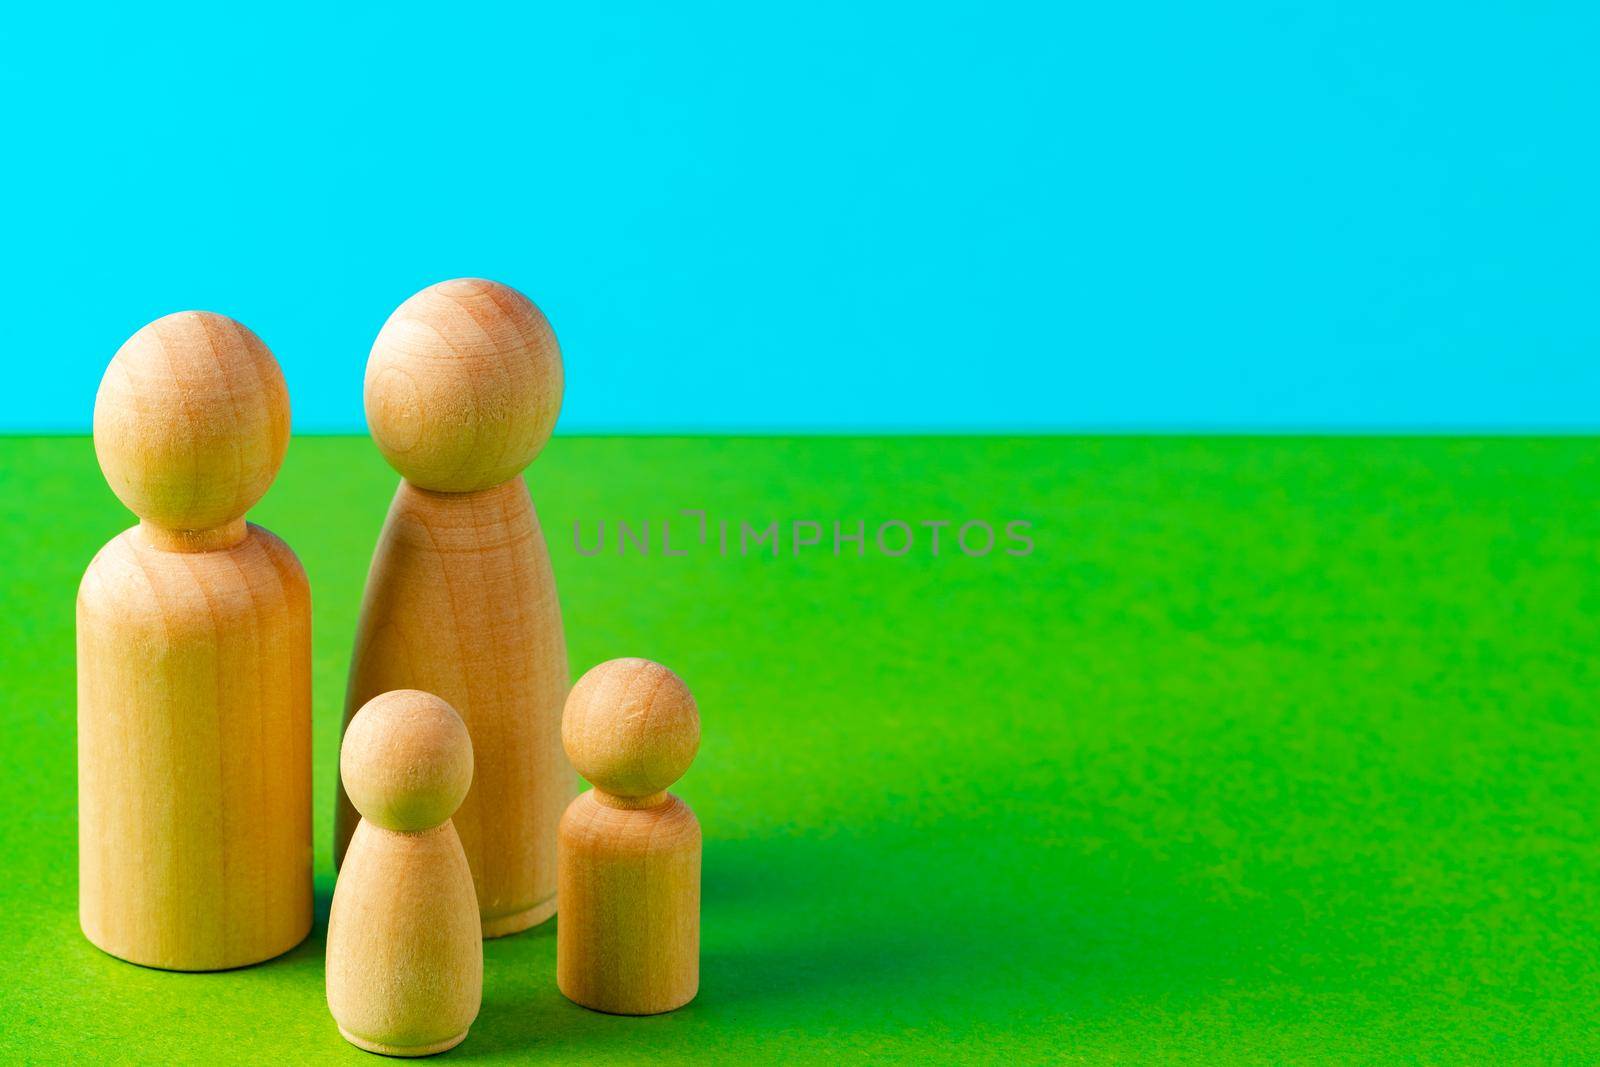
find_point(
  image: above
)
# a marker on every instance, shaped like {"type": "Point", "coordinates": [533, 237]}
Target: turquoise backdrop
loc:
{"type": "Point", "coordinates": [1162, 215]}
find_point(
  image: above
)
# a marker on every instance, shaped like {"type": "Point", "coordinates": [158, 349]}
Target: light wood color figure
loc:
{"type": "Point", "coordinates": [629, 937]}
{"type": "Point", "coordinates": [405, 949]}
{"type": "Point", "coordinates": [194, 664]}
{"type": "Point", "coordinates": [463, 388]}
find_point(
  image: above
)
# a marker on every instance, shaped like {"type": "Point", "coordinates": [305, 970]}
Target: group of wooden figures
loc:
{"type": "Point", "coordinates": [456, 819]}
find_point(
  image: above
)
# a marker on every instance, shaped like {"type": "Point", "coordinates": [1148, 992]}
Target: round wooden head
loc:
{"type": "Point", "coordinates": [191, 421]}
{"type": "Point", "coordinates": [406, 760]}
{"type": "Point", "coordinates": [463, 386]}
{"type": "Point", "coordinates": [631, 727]}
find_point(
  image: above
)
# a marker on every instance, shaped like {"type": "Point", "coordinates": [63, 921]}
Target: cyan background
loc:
{"type": "Point", "coordinates": [1167, 216]}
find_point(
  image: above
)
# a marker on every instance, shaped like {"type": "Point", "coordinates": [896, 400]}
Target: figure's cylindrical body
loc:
{"type": "Point", "coordinates": [194, 752]}
{"type": "Point", "coordinates": [461, 602]}
{"type": "Point", "coordinates": [629, 938]}
{"type": "Point", "coordinates": [405, 952]}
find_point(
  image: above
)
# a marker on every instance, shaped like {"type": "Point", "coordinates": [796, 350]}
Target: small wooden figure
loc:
{"type": "Point", "coordinates": [194, 664]}
{"type": "Point", "coordinates": [628, 941]}
{"type": "Point", "coordinates": [462, 390]}
{"type": "Point", "coordinates": [405, 951]}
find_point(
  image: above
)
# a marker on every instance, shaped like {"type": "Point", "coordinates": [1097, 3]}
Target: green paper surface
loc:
{"type": "Point", "coordinates": [1270, 751]}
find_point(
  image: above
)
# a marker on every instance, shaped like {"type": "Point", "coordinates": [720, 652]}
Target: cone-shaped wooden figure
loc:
{"type": "Point", "coordinates": [405, 951]}
{"type": "Point", "coordinates": [629, 937]}
{"type": "Point", "coordinates": [194, 664]}
{"type": "Point", "coordinates": [463, 387]}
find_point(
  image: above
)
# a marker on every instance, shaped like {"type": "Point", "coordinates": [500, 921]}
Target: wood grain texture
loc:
{"type": "Point", "coordinates": [461, 602]}
{"type": "Point", "coordinates": [463, 388]}
{"type": "Point", "coordinates": [629, 938]}
{"type": "Point", "coordinates": [191, 421]}
{"type": "Point", "coordinates": [405, 948]}
{"type": "Point", "coordinates": [194, 665]}
{"type": "Point", "coordinates": [629, 852]}
{"type": "Point", "coordinates": [463, 385]}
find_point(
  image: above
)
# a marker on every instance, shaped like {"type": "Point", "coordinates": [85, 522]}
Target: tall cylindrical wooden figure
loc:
{"type": "Point", "coordinates": [462, 390]}
{"type": "Point", "coordinates": [194, 664]}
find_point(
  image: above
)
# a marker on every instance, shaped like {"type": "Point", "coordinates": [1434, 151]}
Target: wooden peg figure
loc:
{"type": "Point", "coordinates": [462, 390]}
{"type": "Point", "coordinates": [194, 664]}
{"type": "Point", "coordinates": [628, 941]}
{"type": "Point", "coordinates": [405, 950]}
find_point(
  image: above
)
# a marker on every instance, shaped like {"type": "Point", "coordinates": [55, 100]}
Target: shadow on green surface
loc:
{"type": "Point", "coordinates": [1270, 753]}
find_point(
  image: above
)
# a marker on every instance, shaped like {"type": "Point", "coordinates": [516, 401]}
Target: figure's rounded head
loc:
{"type": "Point", "coordinates": [406, 760]}
{"type": "Point", "coordinates": [191, 421]}
{"type": "Point", "coordinates": [631, 727]}
{"type": "Point", "coordinates": [463, 386]}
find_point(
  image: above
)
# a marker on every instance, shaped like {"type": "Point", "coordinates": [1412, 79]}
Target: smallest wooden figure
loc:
{"type": "Point", "coordinates": [405, 947]}
{"type": "Point", "coordinates": [628, 852]}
